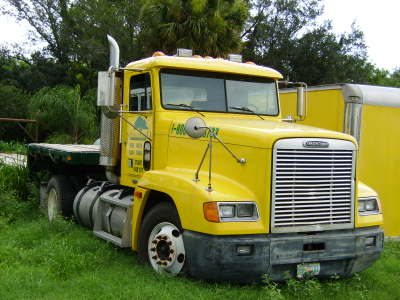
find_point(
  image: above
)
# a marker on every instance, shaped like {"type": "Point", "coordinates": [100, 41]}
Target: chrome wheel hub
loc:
{"type": "Point", "coordinates": [166, 250]}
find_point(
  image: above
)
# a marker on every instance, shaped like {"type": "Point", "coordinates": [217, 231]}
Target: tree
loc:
{"type": "Point", "coordinates": [284, 34]}
{"type": "Point", "coordinates": [209, 27]}
{"type": "Point", "coordinates": [50, 21]}
{"type": "Point", "coordinates": [320, 57]}
{"type": "Point", "coordinates": [93, 20]}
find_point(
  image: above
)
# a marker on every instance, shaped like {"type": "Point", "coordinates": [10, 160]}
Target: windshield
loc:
{"type": "Point", "coordinates": [218, 92]}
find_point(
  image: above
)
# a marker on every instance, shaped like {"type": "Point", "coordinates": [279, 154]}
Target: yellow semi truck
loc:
{"type": "Point", "coordinates": [198, 172]}
{"type": "Point", "coordinates": [371, 115]}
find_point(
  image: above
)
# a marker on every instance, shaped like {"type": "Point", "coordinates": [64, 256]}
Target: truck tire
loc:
{"type": "Point", "coordinates": [161, 241]}
{"type": "Point", "coordinates": [60, 197]}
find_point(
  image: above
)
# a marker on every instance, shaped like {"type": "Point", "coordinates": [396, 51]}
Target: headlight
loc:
{"type": "Point", "coordinates": [227, 211]}
{"type": "Point", "coordinates": [230, 211]}
{"type": "Point", "coordinates": [368, 206]}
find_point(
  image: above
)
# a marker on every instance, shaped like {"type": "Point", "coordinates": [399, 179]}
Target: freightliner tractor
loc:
{"type": "Point", "coordinates": [198, 172]}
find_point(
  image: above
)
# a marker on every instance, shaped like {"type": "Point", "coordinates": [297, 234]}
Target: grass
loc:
{"type": "Point", "coordinates": [12, 147]}
{"type": "Point", "coordinates": [62, 260]}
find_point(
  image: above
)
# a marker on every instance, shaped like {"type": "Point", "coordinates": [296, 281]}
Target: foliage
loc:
{"type": "Point", "coordinates": [50, 21]}
{"type": "Point", "coordinates": [93, 20]}
{"type": "Point", "coordinates": [210, 27]}
{"type": "Point", "coordinates": [14, 190]}
{"type": "Point", "coordinates": [62, 111]}
{"type": "Point", "coordinates": [384, 77]}
{"type": "Point", "coordinates": [12, 147]}
{"type": "Point", "coordinates": [13, 104]}
{"type": "Point", "coordinates": [285, 34]}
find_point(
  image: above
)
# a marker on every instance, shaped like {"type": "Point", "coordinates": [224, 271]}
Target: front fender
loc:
{"type": "Point", "coordinates": [364, 191]}
{"type": "Point", "coordinates": [189, 196]}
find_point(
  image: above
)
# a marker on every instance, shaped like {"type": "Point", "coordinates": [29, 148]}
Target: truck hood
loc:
{"type": "Point", "coordinates": [256, 132]}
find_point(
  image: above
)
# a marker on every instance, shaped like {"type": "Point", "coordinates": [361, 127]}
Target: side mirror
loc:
{"type": "Point", "coordinates": [195, 127]}
{"type": "Point", "coordinates": [301, 104]}
{"type": "Point", "coordinates": [109, 93]}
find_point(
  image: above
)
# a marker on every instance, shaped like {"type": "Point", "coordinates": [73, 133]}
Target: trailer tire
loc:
{"type": "Point", "coordinates": [161, 242]}
{"type": "Point", "coordinates": [60, 197]}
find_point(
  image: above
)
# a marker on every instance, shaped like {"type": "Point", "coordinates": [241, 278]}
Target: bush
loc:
{"type": "Point", "coordinates": [64, 115]}
{"type": "Point", "coordinates": [14, 179]}
{"type": "Point", "coordinates": [17, 194]}
{"type": "Point", "coordinates": [12, 147]}
{"type": "Point", "coordinates": [13, 104]}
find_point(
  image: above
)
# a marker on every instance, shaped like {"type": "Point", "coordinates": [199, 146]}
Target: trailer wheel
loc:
{"type": "Point", "coordinates": [60, 197]}
{"type": "Point", "coordinates": [161, 241]}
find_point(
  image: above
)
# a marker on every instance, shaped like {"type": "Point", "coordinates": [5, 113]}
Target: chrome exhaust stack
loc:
{"type": "Point", "coordinates": [109, 95]}
{"type": "Point", "coordinates": [114, 52]}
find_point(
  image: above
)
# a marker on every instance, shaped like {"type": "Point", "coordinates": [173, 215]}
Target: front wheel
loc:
{"type": "Point", "coordinates": [161, 241]}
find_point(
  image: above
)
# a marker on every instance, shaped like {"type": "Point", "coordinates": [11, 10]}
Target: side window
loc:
{"type": "Point", "coordinates": [140, 93]}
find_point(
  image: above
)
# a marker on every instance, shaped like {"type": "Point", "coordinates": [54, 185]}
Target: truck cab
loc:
{"type": "Point", "coordinates": [202, 176]}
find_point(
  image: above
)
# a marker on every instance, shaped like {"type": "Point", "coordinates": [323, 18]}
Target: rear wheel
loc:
{"type": "Point", "coordinates": [60, 197]}
{"type": "Point", "coordinates": [161, 241]}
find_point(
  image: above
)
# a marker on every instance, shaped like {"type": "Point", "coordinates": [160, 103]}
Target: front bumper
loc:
{"type": "Point", "coordinates": [276, 256]}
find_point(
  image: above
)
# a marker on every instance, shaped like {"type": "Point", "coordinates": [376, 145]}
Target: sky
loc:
{"type": "Point", "coordinates": [379, 20]}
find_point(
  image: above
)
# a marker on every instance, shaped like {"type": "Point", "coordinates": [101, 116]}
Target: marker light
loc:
{"type": "Point", "coordinates": [146, 156]}
{"type": "Point", "coordinates": [158, 53]}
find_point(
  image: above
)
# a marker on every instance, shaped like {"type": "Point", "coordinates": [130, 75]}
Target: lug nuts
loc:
{"type": "Point", "coordinates": [171, 251]}
{"type": "Point", "coordinates": [169, 259]}
{"type": "Point", "coordinates": [154, 257]}
{"type": "Point", "coordinates": [169, 243]}
{"type": "Point", "coordinates": [153, 249]}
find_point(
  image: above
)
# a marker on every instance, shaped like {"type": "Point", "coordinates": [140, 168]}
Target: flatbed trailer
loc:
{"type": "Point", "coordinates": [71, 165]}
{"type": "Point", "coordinates": [67, 154]}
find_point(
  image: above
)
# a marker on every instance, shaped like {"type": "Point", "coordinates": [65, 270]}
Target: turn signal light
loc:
{"type": "Point", "coordinates": [211, 212]}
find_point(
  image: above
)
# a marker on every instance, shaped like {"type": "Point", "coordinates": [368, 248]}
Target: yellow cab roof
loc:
{"type": "Point", "coordinates": [204, 64]}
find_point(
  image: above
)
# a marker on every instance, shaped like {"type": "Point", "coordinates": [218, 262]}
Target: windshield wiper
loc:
{"type": "Point", "coordinates": [243, 108]}
{"type": "Point", "coordinates": [186, 106]}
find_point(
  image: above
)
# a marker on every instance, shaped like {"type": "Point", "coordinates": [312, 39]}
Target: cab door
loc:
{"type": "Point", "coordinates": [137, 127]}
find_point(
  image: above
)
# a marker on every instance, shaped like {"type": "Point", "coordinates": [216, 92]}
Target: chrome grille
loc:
{"type": "Point", "coordinates": [312, 188]}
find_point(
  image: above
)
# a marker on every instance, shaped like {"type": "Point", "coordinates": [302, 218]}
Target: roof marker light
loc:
{"type": "Point", "coordinates": [184, 52]}
{"type": "Point", "coordinates": [250, 63]}
{"type": "Point", "coordinates": [158, 53]}
{"type": "Point", "coordinates": [235, 58]}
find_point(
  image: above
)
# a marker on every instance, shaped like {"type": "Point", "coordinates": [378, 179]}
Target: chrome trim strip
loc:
{"type": "Point", "coordinates": [352, 119]}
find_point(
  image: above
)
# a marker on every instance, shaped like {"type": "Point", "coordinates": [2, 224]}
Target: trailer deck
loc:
{"type": "Point", "coordinates": [72, 154]}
